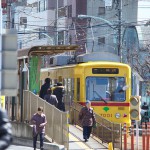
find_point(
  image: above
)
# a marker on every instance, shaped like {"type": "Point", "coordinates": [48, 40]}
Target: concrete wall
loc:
{"type": "Point", "coordinates": [22, 135]}
{"type": "Point", "coordinates": [21, 130]}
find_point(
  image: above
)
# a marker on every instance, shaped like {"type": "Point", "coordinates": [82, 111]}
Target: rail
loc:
{"type": "Point", "coordinates": [106, 131]}
{"type": "Point", "coordinates": [57, 121]}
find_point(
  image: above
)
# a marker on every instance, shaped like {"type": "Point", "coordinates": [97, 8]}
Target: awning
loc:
{"type": "Point", "coordinates": [45, 50]}
{"type": "Point", "coordinates": [51, 50]}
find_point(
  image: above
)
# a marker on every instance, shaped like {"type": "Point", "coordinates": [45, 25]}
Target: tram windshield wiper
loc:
{"type": "Point", "coordinates": [101, 98]}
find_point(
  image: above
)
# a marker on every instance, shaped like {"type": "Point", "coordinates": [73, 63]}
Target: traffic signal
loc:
{"type": "Point", "coordinates": [135, 109]}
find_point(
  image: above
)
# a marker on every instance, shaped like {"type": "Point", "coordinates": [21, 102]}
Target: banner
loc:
{"type": "Point", "coordinates": [34, 74]}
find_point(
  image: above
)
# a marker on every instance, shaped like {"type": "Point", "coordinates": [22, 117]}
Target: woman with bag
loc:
{"type": "Point", "coordinates": [87, 119]}
{"type": "Point", "coordinates": [50, 98]}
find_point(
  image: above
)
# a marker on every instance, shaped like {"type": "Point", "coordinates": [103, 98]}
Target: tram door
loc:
{"type": "Point", "coordinates": [69, 93]}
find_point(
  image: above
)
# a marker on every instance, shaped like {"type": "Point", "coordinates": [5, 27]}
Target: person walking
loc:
{"type": "Point", "coordinates": [39, 121]}
{"type": "Point", "coordinates": [50, 98]}
{"type": "Point", "coordinates": [5, 130]}
{"type": "Point", "coordinates": [87, 119]}
{"type": "Point", "coordinates": [59, 92]}
{"type": "Point", "coordinates": [44, 87]}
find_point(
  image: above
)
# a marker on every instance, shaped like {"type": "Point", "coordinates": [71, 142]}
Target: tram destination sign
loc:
{"type": "Point", "coordinates": [105, 70]}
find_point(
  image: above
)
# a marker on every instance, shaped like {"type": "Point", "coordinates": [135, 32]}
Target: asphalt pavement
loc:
{"type": "Point", "coordinates": [18, 147]}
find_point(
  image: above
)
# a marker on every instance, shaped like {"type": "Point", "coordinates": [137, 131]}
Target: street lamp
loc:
{"type": "Point", "coordinates": [111, 25]}
{"type": "Point", "coordinates": [51, 39]}
{"type": "Point", "coordinates": [87, 16]}
{"type": "Point", "coordinates": [26, 69]}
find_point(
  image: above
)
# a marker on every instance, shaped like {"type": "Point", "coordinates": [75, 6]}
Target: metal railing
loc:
{"type": "Point", "coordinates": [106, 131]}
{"type": "Point", "coordinates": [57, 127]}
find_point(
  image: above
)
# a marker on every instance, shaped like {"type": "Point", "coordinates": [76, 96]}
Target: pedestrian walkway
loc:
{"type": "Point", "coordinates": [17, 147]}
{"type": "Point", "coordinates": [76, 141]}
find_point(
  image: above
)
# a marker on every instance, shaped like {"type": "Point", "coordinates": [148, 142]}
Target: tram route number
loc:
{"type": "Point", "coordinates": [106, 115]}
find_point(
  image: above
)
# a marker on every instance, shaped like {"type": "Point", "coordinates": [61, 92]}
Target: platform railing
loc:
{"type": "Point", "coordinates": [106, 131]}
{"type": "Point", "coordinates": [57, 127]}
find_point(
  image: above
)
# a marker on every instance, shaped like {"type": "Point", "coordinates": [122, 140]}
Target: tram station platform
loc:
{"type": "Point", "coordinates": [76, 141]}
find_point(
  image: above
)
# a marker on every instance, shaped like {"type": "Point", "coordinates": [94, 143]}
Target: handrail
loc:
{"type": "Point", "coordinates": [57, 121]}
{"type": "Point", "coordinates": [106, 131]}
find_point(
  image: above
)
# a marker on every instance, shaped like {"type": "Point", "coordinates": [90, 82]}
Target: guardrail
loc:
{"type": "Point", "coordinates": [106, 131]}
{"type": "Point", "coordinates": [57, 127]}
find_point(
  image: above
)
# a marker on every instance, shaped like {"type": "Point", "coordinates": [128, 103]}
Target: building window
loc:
{"type": "Point", "coordinates": [61, 38]}
{"type": "Point", "coordinates": [51, 61]}
{"type": "Point", "coordinates": [13, 23]}
{"type": "Point", "coordinates": [101, 40]}
{"type": "Point", "coordinates": [69, 11]}
{"type": "Point", "coordinates": [20, 44]}
{"type": "Point", "coordinates": [23, 21]}
{"type": "Point", "coordinates": [101, 10]}
{"type": "Point", "coordinates": [42, 5]}
{"type": "Point", "coordinates": [62, 12]}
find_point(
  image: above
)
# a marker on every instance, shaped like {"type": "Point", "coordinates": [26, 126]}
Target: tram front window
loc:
{"type": "Point", "coordinates": [105, 89]}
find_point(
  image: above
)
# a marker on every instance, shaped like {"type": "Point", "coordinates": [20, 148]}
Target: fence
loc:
{"type": "Point", "coordinates": [57, 127]}
{"type": "Point", "coordinates": [130, 141]}
{"type": "Point", "coordinates": [106, 130]}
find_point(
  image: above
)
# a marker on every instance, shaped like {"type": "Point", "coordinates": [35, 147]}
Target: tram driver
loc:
{"type": "Point", "coordinates": [119, 93]}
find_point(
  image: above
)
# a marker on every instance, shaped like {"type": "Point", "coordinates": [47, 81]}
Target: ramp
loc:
{"type": "Point", "coordinates": [76, 141]}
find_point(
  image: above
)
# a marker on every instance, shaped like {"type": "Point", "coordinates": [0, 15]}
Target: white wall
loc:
{"type": "Point", "coordinates": [143, 10]}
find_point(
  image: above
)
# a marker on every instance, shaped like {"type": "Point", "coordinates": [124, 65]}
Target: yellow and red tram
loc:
{"type": "Point", "coordinates": [105, 84]}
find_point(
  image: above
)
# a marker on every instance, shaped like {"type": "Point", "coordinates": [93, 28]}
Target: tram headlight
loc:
{"type": "Point", "coordinates": [117, 115]}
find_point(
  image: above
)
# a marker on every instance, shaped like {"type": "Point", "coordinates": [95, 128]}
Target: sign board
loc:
{"type": "Point", "coordinates": [8, 64]}
{"type": "Point", "coordinates": [2, 102]}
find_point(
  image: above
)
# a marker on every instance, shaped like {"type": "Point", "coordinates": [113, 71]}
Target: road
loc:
{"type": "Point", "coordinates": [17, 147]}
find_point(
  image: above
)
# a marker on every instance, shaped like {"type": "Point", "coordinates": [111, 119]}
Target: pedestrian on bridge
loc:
{"type": "Point", "coordinates": [39, 121]}
{"type": "Point", "coordinates": [87, 119]}
{"type": "Point", "coordinates": [50, 98]}
{"type": "Point", "coordinates": [58, 90]}
{"type": "Point", "coordinates": [44, 87]}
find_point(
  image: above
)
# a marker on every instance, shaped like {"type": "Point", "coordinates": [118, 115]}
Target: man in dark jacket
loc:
{"type": "Point", "coordinates": [5, 130]}
{"type": "Point", "coordinates": [44, 88]}
{"type": "Point", "coordinates": [87, 119]}
{"type": "Point", "coordinates": [39, 121]}
{"type": "Point", "coordinates": [59, 92]}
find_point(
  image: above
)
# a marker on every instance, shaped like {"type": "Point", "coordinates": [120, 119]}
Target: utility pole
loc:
{"type": "Point", "coordinates": [119, 2]}
{"type": "Point", "coordinates": [8, 14]}
{"type": "Point", "coordinates": [56, 23]}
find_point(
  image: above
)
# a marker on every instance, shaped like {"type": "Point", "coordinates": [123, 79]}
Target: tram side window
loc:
{"type": "Point", "coordinates": [66, 86]}
{"type": "Point", "coordinates": [54, 82]}
{"type": "Point", "coordinates": [72, 89]}
{"type": "Point", "coordinates": [78, 89]}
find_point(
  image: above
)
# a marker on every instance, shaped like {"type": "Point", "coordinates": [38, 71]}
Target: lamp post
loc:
{"type": "Point", "coordinates": [31, 30]}
{"type": "Point", "coordinates": [26, 69]}
{"type": "Point", "coordinates": [111, 25]}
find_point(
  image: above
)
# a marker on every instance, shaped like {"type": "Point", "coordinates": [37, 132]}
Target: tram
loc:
{"type": "Point", "coordinates": [105, 84]}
